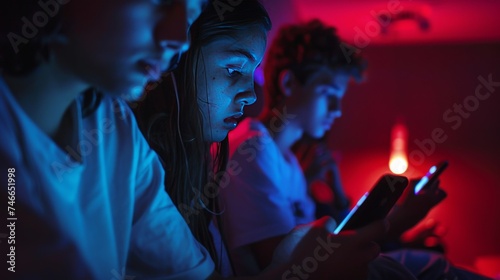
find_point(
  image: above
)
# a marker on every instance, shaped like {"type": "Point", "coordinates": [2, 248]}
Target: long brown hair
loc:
{"type": "Point", "coordinates": [173, 123]}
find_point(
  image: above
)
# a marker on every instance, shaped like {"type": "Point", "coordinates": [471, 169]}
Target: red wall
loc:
{"type": "Point", "coordinates": [420, 84]}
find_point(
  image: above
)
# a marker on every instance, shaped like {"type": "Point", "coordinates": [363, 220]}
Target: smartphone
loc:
{"type": "Point", "coordinates": [431, 175]}
{"type": "Point", "coordinates": [375, 204]}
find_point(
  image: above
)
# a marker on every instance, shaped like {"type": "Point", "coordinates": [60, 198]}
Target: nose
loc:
{"type": "Point", "coordinates": [334, 105]}
{"type": "Point", "coordinates": [337, 114]}
{"type": "Point", "coordinates": [170, 32]}
{"type": "Point", "coordinates": [246, 98]}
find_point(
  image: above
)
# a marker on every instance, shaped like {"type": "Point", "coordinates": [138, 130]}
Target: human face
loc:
{"type": "Point", "coordinates": [317, 102]}
{"type": "Point", "coordinates": [225, 79]}
{"type": "Point", "coordinates": [118, 46]}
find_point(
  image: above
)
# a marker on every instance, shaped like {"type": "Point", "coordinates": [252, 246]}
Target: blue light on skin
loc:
{"type": "Point", "coordinates": [424, 179]}
{"type": "Point", "coordinates": [348, 217]}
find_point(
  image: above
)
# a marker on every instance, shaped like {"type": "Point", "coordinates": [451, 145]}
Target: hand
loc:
{"type": "Point", "coordinates": [323, 176]}
{"type": "Point", "coordinates": [429, 235]}
{"type": "Point", "coordinates": [412, 208]}
{"type": "Point", "coordinates": [316, 161]}
{"type": "Point", "coordinates": [313, 252]}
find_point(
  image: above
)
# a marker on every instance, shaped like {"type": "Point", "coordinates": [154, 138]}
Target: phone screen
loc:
{"type": "Point", "coordinates": [375, 204]}
{"type": "Point", "coordinates": [431, 175]}
{"type": "Point", "coordinates": [348, 217]}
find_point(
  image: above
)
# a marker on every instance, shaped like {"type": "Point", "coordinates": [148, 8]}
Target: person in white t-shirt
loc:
{"type": "Point", "coordinates": [84, 176]}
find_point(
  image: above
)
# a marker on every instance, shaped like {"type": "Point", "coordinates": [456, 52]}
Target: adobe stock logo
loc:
{"type": "Point", "coordinates": [372, 28]}
{"type": "Point", "coordinates": [455, 117]}
{"type": "Point", "coordinates": [221, 7]}
{"type": "Point", "coordinates": [30, 28]}
{"type": "Point", "coordinates": [310, 264]}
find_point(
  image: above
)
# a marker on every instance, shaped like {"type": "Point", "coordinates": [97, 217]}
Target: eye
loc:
{"type": "Point", "coordinates": [232, 72]}
{"type": "Point", "coordinates": [333, 102]}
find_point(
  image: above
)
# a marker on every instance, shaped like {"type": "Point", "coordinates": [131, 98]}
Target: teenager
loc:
{"type": "Point", "coordinates": [307, 72]}
{"type": "Point", "coordinates": [213, 83]}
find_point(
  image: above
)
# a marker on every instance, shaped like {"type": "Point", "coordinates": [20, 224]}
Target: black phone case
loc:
{"type": "Point", "coordinates": [379, 201]}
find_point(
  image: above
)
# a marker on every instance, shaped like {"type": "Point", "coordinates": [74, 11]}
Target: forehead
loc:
{"type": "Point", "coordinates": [328, 77]}
{"type": "Point", "coordinates": [193, 7]}
{"type": "Point", "coordinates": [249, 42]}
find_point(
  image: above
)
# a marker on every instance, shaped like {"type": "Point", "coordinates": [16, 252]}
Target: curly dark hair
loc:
{"type": "Point", "coordinates": [303, 49]}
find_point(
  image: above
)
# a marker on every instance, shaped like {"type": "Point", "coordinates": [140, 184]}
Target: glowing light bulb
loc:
{"type": "Point", "coordinates": [398, 161]}
{"type": "Point", "coordinates": [398, 164]}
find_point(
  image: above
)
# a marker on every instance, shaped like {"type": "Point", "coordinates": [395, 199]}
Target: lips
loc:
{"type": "Point", "coordinates": [235, 116]}
{"type": "Point", "coordinates": [232, 121]}
{"type": "Point", "coordinates": [328, 123]}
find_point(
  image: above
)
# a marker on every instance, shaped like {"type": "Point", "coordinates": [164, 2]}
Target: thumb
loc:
{"type": "Point", "coordinates": [441, 194]}
{"type": "Point", "coordinates": [327, 222]}
{"type": "Point", "coordinates": [373, 231]}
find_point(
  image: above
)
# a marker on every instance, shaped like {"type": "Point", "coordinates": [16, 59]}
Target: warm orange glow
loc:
{"type": "Point", "coordinates": [398, 162]}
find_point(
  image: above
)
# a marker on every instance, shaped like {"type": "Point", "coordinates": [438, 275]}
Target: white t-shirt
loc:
{"type": "Point", "coordinates": [265, 194]}
{"type": "Point", "coordinates": [110, 205]}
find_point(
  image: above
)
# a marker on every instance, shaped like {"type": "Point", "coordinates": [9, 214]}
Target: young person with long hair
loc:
{"type": "Point", "coordinates": [213, 83]}
{"type": "Point", "coordinates": [229, 50]}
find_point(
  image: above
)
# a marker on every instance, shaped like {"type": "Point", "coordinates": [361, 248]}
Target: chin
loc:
{"type": "Point", "coordinates": [219, 139]}
{"type": "Point", "coordinates": [128, 88]}
{"type": "Point", "coordinates": [134, 94]}
{"type": "Point", "coordinates": [317, 134]}
{"type": "Point", "coordinates": [215, 137]}
{"type": "Point", "coordinates": [130, 94]}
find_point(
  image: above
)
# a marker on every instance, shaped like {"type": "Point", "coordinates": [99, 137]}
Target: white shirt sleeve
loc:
{"type": "Point", "coordinates": [161, 244]}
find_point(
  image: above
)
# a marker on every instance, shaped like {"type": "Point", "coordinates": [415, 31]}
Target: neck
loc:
{"type": "Point", "coordinates": [282, 128]}
{"type": "Point", "coordinates": [45, 95]}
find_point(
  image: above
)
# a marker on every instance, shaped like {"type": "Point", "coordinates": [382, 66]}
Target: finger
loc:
{"type": "Point", "coordinates": [321, 149]}
{"type": "Point", "coordinates": [434, 195]}
{"type": "Point", "coordinates": [370, 251]}
{"type": "Point", "coordinates": [324, 158]}
{"type": "Point", "coordinates": [328, 223]}
{"type": "Point", "coordinates": [434, 185]}
{"type": "Point", "coordinates": [373, 231]}
{"type": "Point", "coordinates": [413, 182]}
{"type": "Point", "coordinates": [441, 195]}
{"type": "Point", "coordinates": [364, 249]}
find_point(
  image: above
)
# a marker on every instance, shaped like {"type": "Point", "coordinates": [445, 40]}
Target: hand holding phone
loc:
{"type": "Point", "coordinates": [375, 204]}
{"type": "Point", "coordinates": [431, 176]}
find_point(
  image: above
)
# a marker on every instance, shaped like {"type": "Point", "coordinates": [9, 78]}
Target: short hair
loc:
{"type": "Point", "coordinates": [21, 53]}
{"type": "Point", "coordinates": [303, 49]}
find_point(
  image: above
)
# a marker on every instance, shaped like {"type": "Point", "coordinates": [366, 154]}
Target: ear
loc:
{"type": "Point", "coordinates": [286, 81]}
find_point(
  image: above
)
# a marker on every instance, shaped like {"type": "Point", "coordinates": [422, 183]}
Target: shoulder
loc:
{"type": "Point", "coordinates": [114, 108]}
{"type": "Point", "coordinates": [249, 133]}
{"type": "Point", "coordinates": [113, 118]}
{"type": "Point", "coordinates": [250, 141]}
